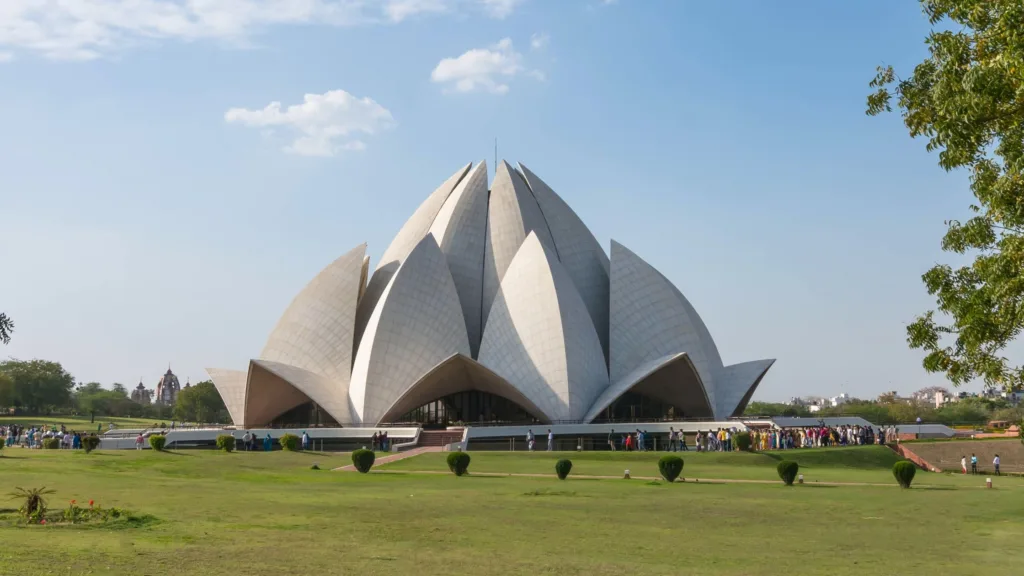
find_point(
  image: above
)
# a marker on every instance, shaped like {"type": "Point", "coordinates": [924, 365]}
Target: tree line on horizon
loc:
{"type": "Point", "coordinates": [889, 410]}
{"type": "Point", "coordinates": [43, 388]}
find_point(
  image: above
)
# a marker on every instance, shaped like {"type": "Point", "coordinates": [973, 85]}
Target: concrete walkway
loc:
{"type": "Point", "coordinates": [393, 457]}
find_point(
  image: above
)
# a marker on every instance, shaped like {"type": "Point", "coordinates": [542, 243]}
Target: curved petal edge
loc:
{"type": "Point", "coordinates": [416, 324]}
{"type": "Point", "coordinates": [670, 379]}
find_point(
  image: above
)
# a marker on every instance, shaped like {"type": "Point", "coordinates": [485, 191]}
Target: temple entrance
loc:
{"type": "Point", "coordinates": [306, 415]}
{"type": "Point", "coordinates": [470, 407]}
{"type": "Point", "coordinates": [634, 407]}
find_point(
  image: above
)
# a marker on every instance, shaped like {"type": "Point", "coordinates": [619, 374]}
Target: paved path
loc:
{"type": "Point", "coordinates": [393, 457]}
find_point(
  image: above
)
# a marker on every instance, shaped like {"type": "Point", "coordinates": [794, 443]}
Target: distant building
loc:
{"type": "Point", "coordinates": [167, 389]}
{"type": "Point", "coordinates": [141, 395]}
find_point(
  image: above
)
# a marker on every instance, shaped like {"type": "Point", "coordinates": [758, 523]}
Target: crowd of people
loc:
{"type": "Point", "coordinates": [33, 436]}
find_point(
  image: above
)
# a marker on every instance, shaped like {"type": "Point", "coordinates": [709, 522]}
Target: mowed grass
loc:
{"type": "Point", "coordinates": [269, 514]}
{"type": "Point", "coordinates": [80, 423]}
{"type": "Point", "coordinates": [863, 464]}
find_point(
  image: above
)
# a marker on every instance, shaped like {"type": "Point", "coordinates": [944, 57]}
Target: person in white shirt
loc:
{"type": "Point", "coordinates": [995, 462]}
{"type": "Point", "coordinates": [246, 439]}
{"type": "Point", "coordinates": [529, 439]}
{"type": "Point", "coordinates": [963, 464]}
{"type": "Point", "coordinates": [551, 440]}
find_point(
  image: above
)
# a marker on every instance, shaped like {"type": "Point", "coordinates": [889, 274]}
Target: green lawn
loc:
{"type": "Point", "coordinates": [871, 464]}
{"type": "Point", "coordinates": [76, 422]}
{"type": "Point", "coordinates": [269, 514]}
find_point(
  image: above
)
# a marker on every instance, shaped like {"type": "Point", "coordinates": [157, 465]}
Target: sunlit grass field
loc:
{"type": "Point", "coordinates": [270, 514]}
{"type": "Point", "coordinates": [80, 423]}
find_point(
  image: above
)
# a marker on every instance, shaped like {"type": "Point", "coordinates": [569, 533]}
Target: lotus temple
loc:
{"type": "Point", "coordinates": [494, 303]}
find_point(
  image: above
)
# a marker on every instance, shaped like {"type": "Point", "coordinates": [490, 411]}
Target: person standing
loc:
{"type": "Point", "coordinates": [974, 464]}
{"type": "Point", "coordinates": [551, 440]}
{"type": "Point", "coordinates": [611, 439]}
{"type": "Point", "coordinates": [246, 440]}
{"type": "Point", "coordinates": [995, 462]}
{"type": "Point", "coordinates": [267, 443]}
{"type": "Point", "coordinates": [305, 440]}
{"type": "Point", "coordinates": [963, 464]}
{"type": "Point", "coordinates": [139, 441]}
{"type": "Point", "coordinates": [529, 439]}
{"type": "Point", "coordinates": [671, 439]}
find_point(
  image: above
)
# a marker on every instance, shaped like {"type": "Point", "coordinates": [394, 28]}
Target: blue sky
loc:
{"type": "Point", "coordinates": [156, 211]}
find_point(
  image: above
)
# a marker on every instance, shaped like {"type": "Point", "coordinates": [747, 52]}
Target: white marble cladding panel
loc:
{"type": "Point", "coordinates": [460, 228]}
{"type": "Point", "coordinates": [230, 384]}
{"type": "Point", "coordinates": [540, 338]}
{"type": "Point", "coordinates": [315, 332]}
{"type": "Point", "coordinates": [650, 318]}
{"type": "Point", "coordinates": [511, 215]}
{"type": "Point", "coordinates": [416, 325]}
{"type": "Point", "coordinates": [579, 252]}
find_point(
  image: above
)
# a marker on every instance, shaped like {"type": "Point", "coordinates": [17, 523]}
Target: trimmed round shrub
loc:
{"type": "Point", "coordinates": [157, 442]}
{"type": "Point", "coordinates": [458, 462]}
{"type": "Point", "coordinates": [226, 442]}
{"type": "Point", "coordinates": [742, 440]}
{"type": "Point", "coordinates": [289, 442]}
{"type": "Point", "coordinates": [787, 471]}
{"type": "Point", "coordinates": [670, 466]}
{"type": "Point", "coordinates": [90, 442]}
{"type": "Point", "coordinates": [562, 468]}
{"type": "Point", "coordinates": [904, 471]}
{"type": "Point", "coordinates": [51, 443]}
{"type": "Point", "coordinates": [363, 459]}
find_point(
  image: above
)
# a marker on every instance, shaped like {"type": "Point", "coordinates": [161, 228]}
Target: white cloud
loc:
{"type": "Point", "coordinates": [500, 8]}
{"type": "Point", "coordinates": [89, 29]}
{"type": "Point", "coordinates": [319, 122]}
{"type": "Point", "coordinates": [539, 41]}
{"type": "Point", "coordinates": [486, 69]}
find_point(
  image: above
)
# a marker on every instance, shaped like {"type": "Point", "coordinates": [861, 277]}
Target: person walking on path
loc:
{"type": "Point", "coordinates": [611, 439]}
{"type": "Point", "coordinates": [247, 440]}
{"type": "Point", "coordinates": [672, 439]}
{"type": "Point", "coordinates": [974, 464]}
{"type": "Point", "coordinates": [267, 443]}
{"type": "Point", "coordinates": [305, 440]}
{"type": "Point", "coordinates": [529, 439]}
{"type": "Point", "coordinates": [139, 441]}
{"type": "Point", "coordinates": [995, 462]}
{"type": "Point", "coordinates": [963, 464]}
{"type": "Point", "coordinates": [551, 440]}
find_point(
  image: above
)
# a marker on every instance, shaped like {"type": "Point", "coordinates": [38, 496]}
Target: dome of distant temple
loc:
{"type": "Point", "coordinates": [167, 389]}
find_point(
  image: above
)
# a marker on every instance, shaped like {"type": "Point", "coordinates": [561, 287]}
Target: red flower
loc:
{"type": "Point", "coordinates": [43, 521]}
{"type": "Point", "coordinates": [73, 501]}
{"type": "Point", "coordinates": [90, 503]}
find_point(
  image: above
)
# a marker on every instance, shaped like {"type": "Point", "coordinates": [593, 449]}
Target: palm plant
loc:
{"type": "Point", "coordinates": [35, 504]}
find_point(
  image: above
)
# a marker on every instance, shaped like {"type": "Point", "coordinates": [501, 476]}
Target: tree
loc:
{"type": "Point", "coordinates": [967, 100]}
{"type": "Point", "coordinates": [38, 385]}
{"type": "Point", "coordinates": [6, 328]}
{"type": "Point", "coordinates": [200, 403]}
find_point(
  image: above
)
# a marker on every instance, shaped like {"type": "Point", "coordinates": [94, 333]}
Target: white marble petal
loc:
{"type": "Point", "coordinates": [460, 229]}
{"type": "Point", "coordinates": [540, 338]}
{"type": "Point", "coordinates": [417, 324]}
{"type": "Point", "coordinates": [671, 379]}
{"type": "Point", "coordinates": [511, 215]}
{"type": "Point", "coordinates": [411, 233]}
{"type": "Point", "coordinates": [735, 384]}
{"type": "Point", "coordinates": [578, 251]}
{"type": "Point", "coordinates": [315, 332]}
{"type": "Point", "coordinates": [231, 384]}
{"type": "Point", "coordinates": [329, 394]}
{"type": "Point", "coordinates": [650, 318]}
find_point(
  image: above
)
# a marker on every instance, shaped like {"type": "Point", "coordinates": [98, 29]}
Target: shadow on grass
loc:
{"type": "Point", "coordinates": [176, 453]}
{"type": "Point", "coordinates": [5, 457]}
{"type": "Point", "coordinates": [933, 488]}
{"type": "Point", "coordinates": [815, 486]}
